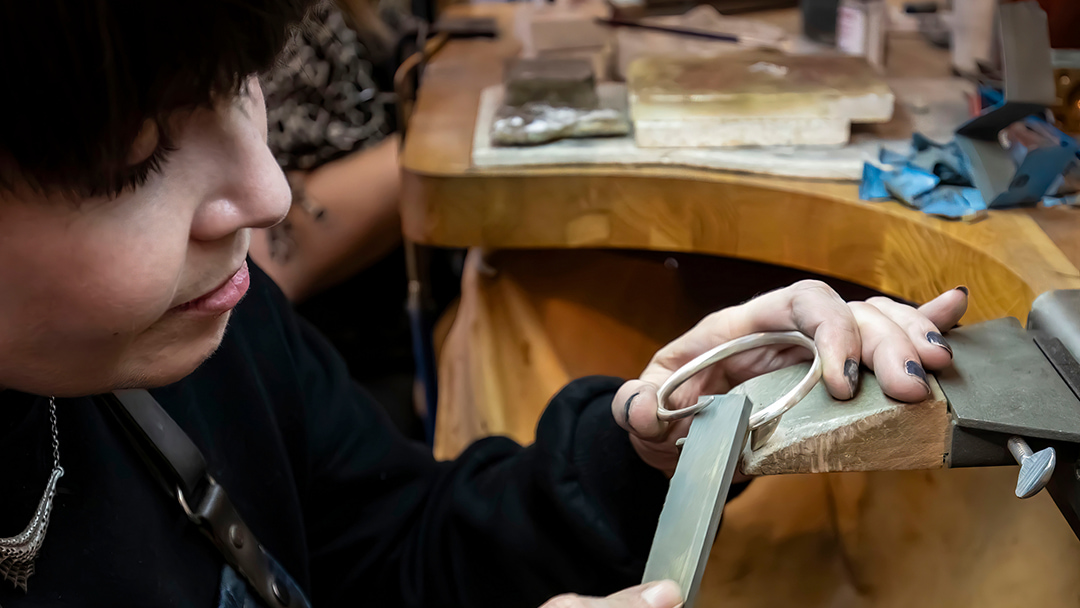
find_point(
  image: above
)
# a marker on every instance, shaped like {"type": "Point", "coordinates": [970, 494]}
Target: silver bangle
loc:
{"type": "Point", "coordinates": [766, 414]}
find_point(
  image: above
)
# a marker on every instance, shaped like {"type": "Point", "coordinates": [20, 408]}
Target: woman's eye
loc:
{"type": "Point", "coordinates": [152, 165]}
{"type": "Point", "coordinates": [146, 142]}
{"type": "Point", "coordinates": [148, 154]}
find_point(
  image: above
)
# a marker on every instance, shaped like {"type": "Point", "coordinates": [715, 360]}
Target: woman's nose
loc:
{"type": "Point", "coordinates": [252, 191]}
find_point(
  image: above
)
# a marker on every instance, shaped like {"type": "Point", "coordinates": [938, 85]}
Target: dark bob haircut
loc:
{"type": "Point", "coordinates": [81, 77]}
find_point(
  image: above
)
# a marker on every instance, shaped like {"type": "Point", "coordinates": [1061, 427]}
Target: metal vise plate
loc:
{"type": "Point", "coordinates": [1000, 381]}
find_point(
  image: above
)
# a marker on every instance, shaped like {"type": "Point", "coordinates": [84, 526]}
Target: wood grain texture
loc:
{"type": "Point", "coordinates": [893, 539]}
{"type": "Point", "coordinates": [441, 128]}
{"type": "Point", "coordinates": [478, 361]}
{"type": "Point", "coordinates": [596, 312]}
{"type": "Point", "coordinates": [868, 433]}
{"type": "Point", "coordinates": [851, 540]}
{"type": "Point", "coordinates": [1005, 260]}
{"type": "Point", "coordinates": [822, 227]}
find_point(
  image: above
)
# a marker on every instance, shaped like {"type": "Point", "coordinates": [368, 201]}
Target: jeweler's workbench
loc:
{"type": "Point", "coordinates": [927, 538]}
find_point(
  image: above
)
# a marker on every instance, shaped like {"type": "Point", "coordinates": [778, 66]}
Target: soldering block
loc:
{"type": "Point", "coordinates": [753, 98]}
{"type": "Point", "coordinates": [557, 82]}
{"type": "Point", "coordinates": [559, 26]}
{"type": "Point", "coordinates": [601, 59]}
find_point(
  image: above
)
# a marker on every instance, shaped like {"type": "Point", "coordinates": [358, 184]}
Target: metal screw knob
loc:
{"type": "Point", "coordinates": [1035, 468]}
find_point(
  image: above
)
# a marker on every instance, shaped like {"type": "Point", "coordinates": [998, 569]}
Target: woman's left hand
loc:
{"type": "Point", "coordinates": [897, 341]}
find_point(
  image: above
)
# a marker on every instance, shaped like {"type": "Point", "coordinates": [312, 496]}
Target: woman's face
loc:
{"type": "Point", "coordinates": [136, 291]}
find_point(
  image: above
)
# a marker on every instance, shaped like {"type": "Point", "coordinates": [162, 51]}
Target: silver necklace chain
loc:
{"type": "Point", "coordinates": [17, 554]}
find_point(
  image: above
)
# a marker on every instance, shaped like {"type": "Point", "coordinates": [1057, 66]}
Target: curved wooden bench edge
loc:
{"type": "Point", "coordinates": [1006, 260]}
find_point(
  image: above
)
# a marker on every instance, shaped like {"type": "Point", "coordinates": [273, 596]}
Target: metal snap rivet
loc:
{"type": "Point", "coordinates": [281, 592]}
{"type": "Point", "coordinates": [236, 537]}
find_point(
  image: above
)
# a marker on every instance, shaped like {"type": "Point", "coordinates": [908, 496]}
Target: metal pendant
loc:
{"type": "Point", "coordinates": [698, 491]}
{"type": "Point", "coordinates": [17, 553]}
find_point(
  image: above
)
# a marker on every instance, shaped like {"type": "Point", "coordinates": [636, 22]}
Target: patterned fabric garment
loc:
{"type": "Point", "coordinates": [322, 100]}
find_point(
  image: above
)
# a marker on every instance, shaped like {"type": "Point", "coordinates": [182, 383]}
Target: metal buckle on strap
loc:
{"type": "Point", "coordinates": [181, 469]}
{"type": "Point", "coordinates": [180, 498]}
{"type": "Point", "coordinates": [217, 518]}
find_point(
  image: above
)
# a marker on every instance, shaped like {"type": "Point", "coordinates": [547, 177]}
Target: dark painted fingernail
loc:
{"type": "Point", "coordinates": [626, 408]}
{"type": "Point", "coordinates": [937, 339]}
{"type": "Point", "coordinates": [915, 370]}
{"type": "Point", "coordinates": [963, 289]}
{"type": "Point", "coordinates": [851, 373]}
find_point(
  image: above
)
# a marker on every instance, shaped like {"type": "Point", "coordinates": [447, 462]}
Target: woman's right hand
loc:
{"type": "Point", "coordinates": [662, 594]}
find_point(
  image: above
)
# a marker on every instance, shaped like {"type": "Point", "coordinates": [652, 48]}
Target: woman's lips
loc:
{"type": "Point", "coordinates": [224, 298]}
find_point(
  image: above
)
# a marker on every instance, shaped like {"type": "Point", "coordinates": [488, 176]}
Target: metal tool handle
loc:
{"type": "Point", "coordinates": [766, 414]}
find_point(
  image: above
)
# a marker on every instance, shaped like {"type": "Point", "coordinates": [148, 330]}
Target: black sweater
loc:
{"type": "Point", "coordinates": [357, 514]}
